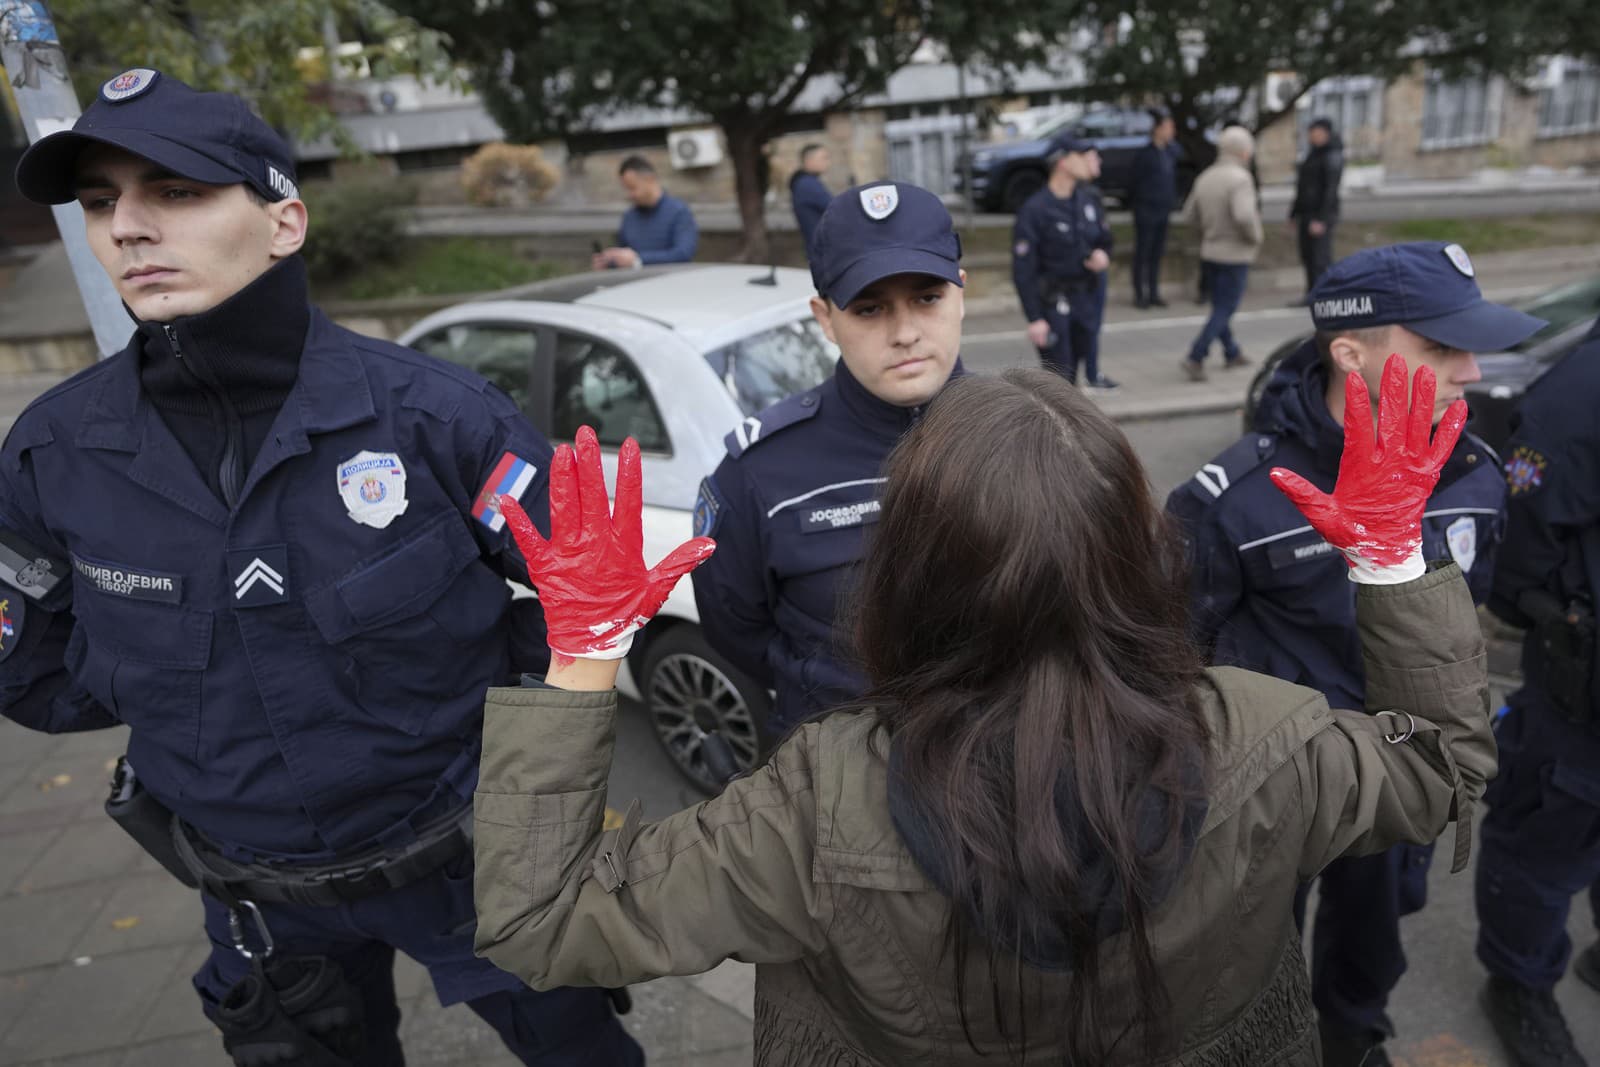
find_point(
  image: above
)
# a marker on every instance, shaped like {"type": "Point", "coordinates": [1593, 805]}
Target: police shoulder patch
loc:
{"type": "Point", "coordinates": [1221, 474]}
{"type": "Point", "coordinates": [708, 508]}
{"type": "Point", "coordinates": [13, 608]}
{"type": "Point", "coordinates": [780, 416]}
{"type": "Point", "coordinates": [1525, 470]}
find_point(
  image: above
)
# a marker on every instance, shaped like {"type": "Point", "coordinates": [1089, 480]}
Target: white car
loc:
{"type": "Point", "coordinates": [675, 357]}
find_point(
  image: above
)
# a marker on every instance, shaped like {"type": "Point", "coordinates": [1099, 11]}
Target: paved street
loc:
{"type": "Point", "coordinates": [96, 943]}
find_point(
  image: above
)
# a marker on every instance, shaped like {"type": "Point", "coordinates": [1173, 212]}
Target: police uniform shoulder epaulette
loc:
{"type": "Point", "coordinates": [1483, 447]}
{"type": "Point", "coordinates": [785, 413]}
{"type": "Point", "coordinates": [1230, 466]}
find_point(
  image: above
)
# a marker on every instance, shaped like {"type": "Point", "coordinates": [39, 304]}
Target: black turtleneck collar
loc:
{"type": "Point", "coordinates": [247, 347]}
{"type": "Point", "coordinates": [890, 419]}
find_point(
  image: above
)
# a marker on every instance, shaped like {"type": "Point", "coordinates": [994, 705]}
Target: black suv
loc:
{"type": "Point", "coordinates": [1006, 174]}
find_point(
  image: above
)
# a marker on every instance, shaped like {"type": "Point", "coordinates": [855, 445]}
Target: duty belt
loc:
{"type": "Point", "coordinates": [354, 877]}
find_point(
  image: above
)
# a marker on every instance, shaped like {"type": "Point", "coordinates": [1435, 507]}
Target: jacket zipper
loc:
{"type": "Point", "coordinates": [230, 475]}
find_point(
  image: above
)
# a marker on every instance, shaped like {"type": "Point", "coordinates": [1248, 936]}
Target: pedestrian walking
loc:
{"type": "Point", "coordinates": [1061, 250]}
{"type": "Point", "coordinates": [1541, 834]}
{"type": "Point", "coordinates": [1153, 195]}
{"type": "Point", "coordinates": [274, 550]}
{"type": "Point", "coordinates": [658, 228]}
{"type": "Point", "coordinates": [792, 502]}
{"type": "Point", "coordinates": [1315, 210]}
{"type": "Point", "coordinates": [808, 193]}
{"type": "Point", "coordinates": [1222, 209]}
{"type": "Point", "coordinates": [1270, 593]}
{"type": "Point", "coordinates": [953, 869]}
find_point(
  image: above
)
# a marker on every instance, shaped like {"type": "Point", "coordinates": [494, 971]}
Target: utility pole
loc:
{"type": "Point", "coordinates": [32, 56]}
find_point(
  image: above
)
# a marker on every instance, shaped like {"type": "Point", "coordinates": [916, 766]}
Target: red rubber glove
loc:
{"type": "Point", "coordinates": [1374, 515]}
{"type": "Point", "coordinates": [591, 576]}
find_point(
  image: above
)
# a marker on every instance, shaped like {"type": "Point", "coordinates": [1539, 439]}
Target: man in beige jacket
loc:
{"type": "Point", "coordinates": [1222, 207]}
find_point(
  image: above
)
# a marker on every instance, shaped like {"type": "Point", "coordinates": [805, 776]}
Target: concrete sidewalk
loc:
{"type": "Point", "coordinates": [97, 944]}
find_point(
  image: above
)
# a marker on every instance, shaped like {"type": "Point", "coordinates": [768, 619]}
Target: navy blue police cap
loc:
{"type": "Point", "coordinates": [1429, 287]}
{"type": "Point", "coordinates": [885, 228]}
{"type": "Point", "coordinates": [206, 137]}
{"type": "Point", "coordinates": [1065, 142]}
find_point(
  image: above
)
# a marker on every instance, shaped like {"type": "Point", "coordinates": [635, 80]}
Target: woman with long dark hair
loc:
{"type": "Point", "coordinates": [1046, 835]}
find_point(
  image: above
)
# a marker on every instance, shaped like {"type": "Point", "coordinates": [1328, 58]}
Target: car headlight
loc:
{"type": "Point", "coordinates": [982, 159]}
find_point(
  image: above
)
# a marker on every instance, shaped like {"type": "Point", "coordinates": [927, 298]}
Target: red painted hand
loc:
{"type": "Point", "coordinates": [591, 577]}
{"type": "Point", "coordinates": [1374, 515]}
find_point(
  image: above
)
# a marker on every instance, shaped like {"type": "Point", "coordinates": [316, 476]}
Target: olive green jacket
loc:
{"type": "Point", "coordinates": [797, 868]}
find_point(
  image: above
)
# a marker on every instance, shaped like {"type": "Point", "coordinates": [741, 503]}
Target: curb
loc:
{"type": "Point", "coordinates": [1171, 408]}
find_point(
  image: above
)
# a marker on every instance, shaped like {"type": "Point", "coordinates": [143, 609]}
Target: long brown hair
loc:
{"type": "Point", "coordinates": [1022, 620]}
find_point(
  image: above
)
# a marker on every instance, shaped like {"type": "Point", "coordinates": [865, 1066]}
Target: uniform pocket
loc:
{"type": "Point", "coordinates": [417, 623]}
{"type": "Point", "coordinates": [144, 661]}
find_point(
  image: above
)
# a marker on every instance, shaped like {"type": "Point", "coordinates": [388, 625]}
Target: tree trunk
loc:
{"type": "Point", "coordinates": [744, 152]}
{"type": "Point", "coordinates": [1191, 132]}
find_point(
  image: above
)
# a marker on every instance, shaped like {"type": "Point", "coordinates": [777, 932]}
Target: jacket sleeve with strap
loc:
{"type": "Point", "coordinates": [1025, 260]}
{"type": "Point", "coordinates": [561, 902]}
{"type": "Point", "coordinates": [36, 688]}
{"type": "Point", "coordinates": [1421, 753]}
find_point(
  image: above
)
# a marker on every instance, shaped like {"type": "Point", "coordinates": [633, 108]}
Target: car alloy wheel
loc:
{"type": "Point", "coordinates": [689, 697]}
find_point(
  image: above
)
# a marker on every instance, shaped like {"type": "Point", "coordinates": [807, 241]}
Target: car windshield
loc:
{"type": "Point", "coordinates": [764, 368]}
{"type": "Point", "coordinates": [1563, 308]}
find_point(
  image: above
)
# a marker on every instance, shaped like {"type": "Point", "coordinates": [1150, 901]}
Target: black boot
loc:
{"type": "Point", "coordinates": [1530, 1025]}
{"type": "Point", "coordinates": [1351, 1048]}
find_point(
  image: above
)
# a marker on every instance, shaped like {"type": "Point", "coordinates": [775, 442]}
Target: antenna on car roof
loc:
{"type": "Point", "coordinates": [770, 279]}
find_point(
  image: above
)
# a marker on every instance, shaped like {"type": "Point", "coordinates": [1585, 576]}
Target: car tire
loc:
{"type": "Point", "coordinates": [688, 690]}
{"type": "Point", "coordinates": [1020, 186]}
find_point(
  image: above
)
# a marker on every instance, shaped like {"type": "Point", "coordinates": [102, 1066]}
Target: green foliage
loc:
{"type": "Point", "coordinates": [355, 225]}
{"type": "Point", "coordinates": [547, 67]}
{"type": "Point", "coordinates": [249, 47]}
{"type": "Point", "coordinates": [453, 265]}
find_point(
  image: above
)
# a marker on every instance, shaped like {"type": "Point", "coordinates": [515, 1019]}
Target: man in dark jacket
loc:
{"type": "Point", "coordinates": [1315, 210]}
{"type": "Point", "coordinates": [273, 549]}
{"type": "Point", "coordinates": [1271, 595]}
{"type": "Point", "coordinates": [1541, 833]}
{"type": "Point", "coordinates": [793, 501]}
{"type": "Point", "coordinates": [1153, 194]}
{"type": "Point", "coordinates": [807, 192]}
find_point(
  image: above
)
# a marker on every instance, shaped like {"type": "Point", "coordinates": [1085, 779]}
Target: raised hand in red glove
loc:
{"type": "Point", "coordinates": [1374, 515]}
{"type": "Point", "coordinates": [591, 577]}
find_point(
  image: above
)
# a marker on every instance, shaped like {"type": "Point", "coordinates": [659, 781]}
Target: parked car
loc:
{"type": "Point", "coordinates": [1570, 310]}
{"type": "Point", "coordinates": [676, 357]}
{"type": "Point", "coordinates": [1006, 174]}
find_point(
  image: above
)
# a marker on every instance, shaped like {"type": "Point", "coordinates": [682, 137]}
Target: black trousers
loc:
{"type": "Point", "coordinates": [1149, 245]}
{"type": "Point", "coordinates": [1316, 253]}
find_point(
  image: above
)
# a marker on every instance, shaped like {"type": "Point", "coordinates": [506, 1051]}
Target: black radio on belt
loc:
{"type": "Point", "coordinates": [146, 820]}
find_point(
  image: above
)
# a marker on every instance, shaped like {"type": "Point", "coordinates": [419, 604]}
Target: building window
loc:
{"type": "Point", "coordinates": [1355, 106]}
{"type": "Point", "coordinates": [1569, 102]}
{"type": "Point", "coordinates": [1457, 114]}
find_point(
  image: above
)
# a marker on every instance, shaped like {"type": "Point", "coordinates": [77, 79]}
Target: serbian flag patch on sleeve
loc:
{"type": "Point", "coordinates": [510, 477]}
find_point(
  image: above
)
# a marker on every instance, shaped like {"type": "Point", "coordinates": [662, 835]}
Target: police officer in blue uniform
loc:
{"type": "Point", "coordinates": [273, 549]}
{"type": "Point", "coordinates": [1270, 595]}
{"type": "Point", "coordinates": [1153, 195]}
{"type": "Point", "coordinates": [1060, 252]}
{"type": "Point", "coordinates": [1541, 834]}
{"type": "Point", "coordinates": [791, 503]}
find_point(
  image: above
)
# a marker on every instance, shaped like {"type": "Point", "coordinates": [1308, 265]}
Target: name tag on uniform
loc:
{"type": "Point", "coordinates": [839, 516]}
{"type": "Point", "coordinates": [135, 583]}
{"type": "Point", "coordinates": [1281, 555]}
